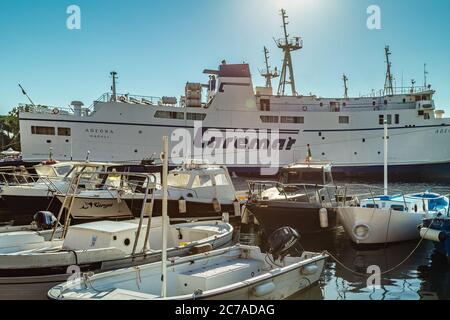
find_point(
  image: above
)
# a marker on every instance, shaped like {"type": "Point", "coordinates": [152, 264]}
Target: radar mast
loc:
{"type": "Point", "coordinates": [267, 73]}
{"type": "Point", "coordinates": [287, 45]}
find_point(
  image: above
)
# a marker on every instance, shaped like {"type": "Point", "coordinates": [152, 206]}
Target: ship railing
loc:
{"type": "Point", "coordinates": [130, 98]}
{"type": "Point", "coordinates": [326, 195]}
{"type": "Point", "coordinates": [397, 90]}
{"type": "Point", "coordinates": [42, 109]}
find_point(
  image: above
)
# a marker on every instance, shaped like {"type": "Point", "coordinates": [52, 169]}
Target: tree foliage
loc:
{"type": "Point", "coordinates": [10, 130]}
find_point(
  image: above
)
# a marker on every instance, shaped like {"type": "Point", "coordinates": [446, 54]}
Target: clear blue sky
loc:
{"type": "Point", "coordinates": [156, 46]}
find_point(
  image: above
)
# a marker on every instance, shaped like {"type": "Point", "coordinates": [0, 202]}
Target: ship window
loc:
{"type": "Point", "coordinates": [397, 207]}
{"type": "Point", "coordinates": [344, 119]}
{"type": "Point", "coordinates": [169, 115]}
{"type": "Point", "coordinates": [381, 119]}
{"type": "Point", "coordinates": [265, 104]}
{"type": "Point", "coordinates": [196, 116]}
{"type": "Point", "coordinates": [48, 131]}
{"type": "Point", "coordinates": [66, 132]}
{"type": "Point", "coordinates": [420, 112]}
{"type": "Point", "coordinates": [292, 120]}
{"type": "Point", "coordinates": [389, 119]}
{"type": "Point", "coordinates": [385, 102]}
{"type": "Point", "coordinates": [404, 100]}
{"type": "Point", "coordinates": [397, 119]}
{"type": "Point", "coordinates": [426, 116]}
{"type": "Point", "coordinates": [269, 119]}
{"type": "Point", "coordinates": [373, 103]}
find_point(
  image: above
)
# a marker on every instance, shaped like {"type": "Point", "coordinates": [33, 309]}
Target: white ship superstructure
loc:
{"type": "Point", "coordinates": [347, 131]}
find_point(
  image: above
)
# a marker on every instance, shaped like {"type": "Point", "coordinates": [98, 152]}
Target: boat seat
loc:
{"type": "Point", "coordinates": [219, 274]}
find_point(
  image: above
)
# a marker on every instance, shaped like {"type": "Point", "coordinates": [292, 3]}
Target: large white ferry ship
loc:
{"type": "Point", "coordinates": [347, 131]}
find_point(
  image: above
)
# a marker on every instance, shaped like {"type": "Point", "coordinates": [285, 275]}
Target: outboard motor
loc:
{"type": "Point", "coordinates": [282, 241]}
{"type": "Point", "coordinates": [45, 220]}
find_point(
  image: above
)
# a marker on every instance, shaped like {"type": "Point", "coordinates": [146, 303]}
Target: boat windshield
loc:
{"type": "Point", "coordinates": [178, 180]}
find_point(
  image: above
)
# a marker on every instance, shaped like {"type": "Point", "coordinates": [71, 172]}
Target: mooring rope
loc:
{"type": "Point", "coordinates": [389, 270]}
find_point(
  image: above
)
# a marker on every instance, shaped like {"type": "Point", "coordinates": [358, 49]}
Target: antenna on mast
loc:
{"type": "Point", "coordinates": [344, 77]}
{"type": "Point", "coordinates": [388, 87]}
{"type": "Point", "coordinates": [287, 45]}
{"type": "Point", "coordinates": [113, 87]}
{"type": "Point", "coordinates": [425, 73]}
{"type": "Point", "coordinates": [267, 73]}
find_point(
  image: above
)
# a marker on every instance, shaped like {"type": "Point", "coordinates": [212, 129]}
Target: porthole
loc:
{"type": "Point", "coordinates": [67, 140]}
{"type": "Point", "coordinates": [135, 151]}
{"type": "Point", "coordinates": [49, 141]}
{"type": "Point", "coordinates": [140, 131]}
{"type": "Point", "coordinates": [356, 153]}
{"type": "Point", "coordinates": [323, 153]}
{"type": "Point", "coordinates": [363, 140]}
{"type": "Point", "coordinates": [323, 138]}
{"type": "Point", "coordinates": [379, 152]}
{"type": "Point", "coordinates": [126, 242]}
{"type": "Point", "coordinates": [115, 238]}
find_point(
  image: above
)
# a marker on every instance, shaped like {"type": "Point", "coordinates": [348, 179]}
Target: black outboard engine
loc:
{"type": "Point", "coordinates": [282, 241]}
{"type": "Point", "coordinates": [45, 220]}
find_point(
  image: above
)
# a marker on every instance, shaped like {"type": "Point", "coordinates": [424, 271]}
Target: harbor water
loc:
{"type": "Point", "coordinates": [424, 276]}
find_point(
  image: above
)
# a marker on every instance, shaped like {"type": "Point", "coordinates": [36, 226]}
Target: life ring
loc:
{"type": "Point", "coordinates": [122, 99]}
{"type": "Point", "coordinates": [305, 108]}
{"type": "Point", "coordinates": [55, 111]}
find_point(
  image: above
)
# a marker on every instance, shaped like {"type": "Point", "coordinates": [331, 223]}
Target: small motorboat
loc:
{"type": "Point", "coordinates": [235, 273]}
{"type": "Point", "coordinates": [391, 218]}
{"type": "Point", "coordinates": [305, 198]}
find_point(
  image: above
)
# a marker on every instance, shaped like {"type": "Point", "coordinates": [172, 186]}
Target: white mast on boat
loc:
{"type": "Point", "coordinates": [386, 137]}
{"type": "Point", "coordinates": [165, 159]}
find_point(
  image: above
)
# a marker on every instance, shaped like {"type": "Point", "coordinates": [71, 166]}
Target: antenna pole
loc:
{"type": "Point", "coordinates": [113, 88]}
{"type": "Point", "coordinates": [425, 73]}
{"type": "Point", "coordinates": [345, 86]}
{"type": "Point", "coordinates": [386, 137]}
{"type": "Point", "coordinates": [26, 95]}
{"type": "Point", "coordinates": [388, 87]}
{"type": "Point", "coordinates": [287, 45]}
{"type": "Point", "coordinates": [165, 158]}
{"type": "Point", "coordinates": [268, 74]}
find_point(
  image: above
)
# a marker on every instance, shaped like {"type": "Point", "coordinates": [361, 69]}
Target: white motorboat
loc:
{"type": "Point", "coordinates": [235, 273]}
{"type": "Point", "coordinates": [25, 199]}
{"type": "Point", "coordinates": [386, 219]}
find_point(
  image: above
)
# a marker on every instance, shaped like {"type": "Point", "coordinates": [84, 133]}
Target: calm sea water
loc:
{"type": "Point", "coordinates": [423, 276]}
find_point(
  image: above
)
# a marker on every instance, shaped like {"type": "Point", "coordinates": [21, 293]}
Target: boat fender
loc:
{"type": "Point", "coordinates": [201, 249]}
{"type": "Point", "coordinates": [245, 215]}
{"type": "Point", "coordinates": [237, 208]}
{"type": "Point", "coordinates": [182, 207]}
{"type": "Point", "coordinates": [216, 205]}
{"type": "Point", "coordinates": [264, 289]}
{"type": "Point", "coordinates": [433, 235]}
{"type": "Point", "coordinates": [323, 217]}
{"type": "Point", "coordinates": [226, 217]}
{"type": "Point", "coordinates": [309, 270]}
